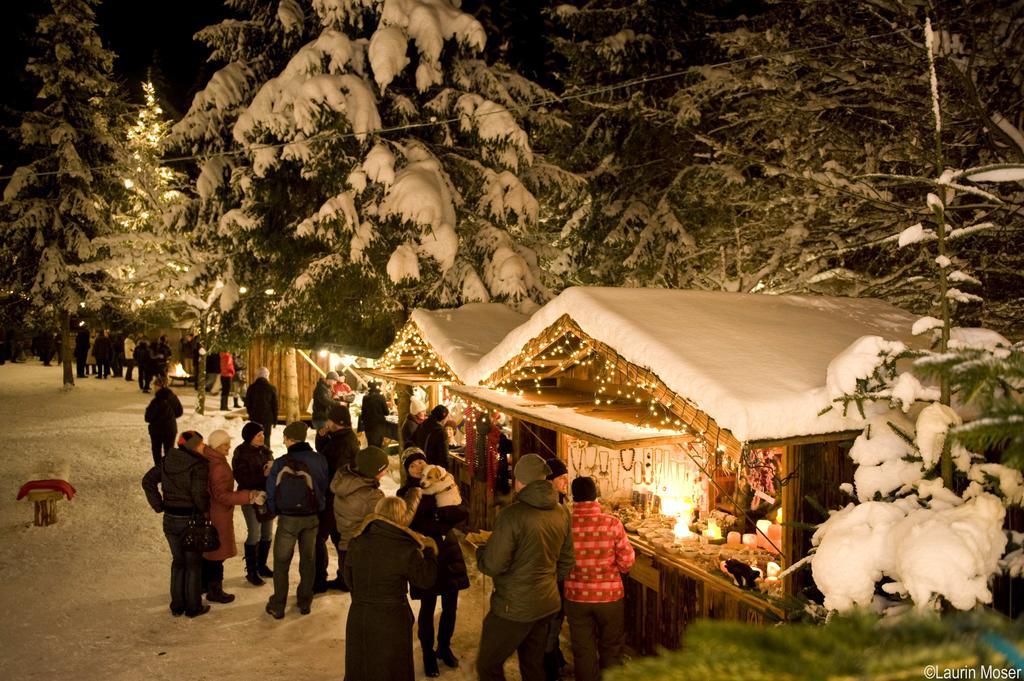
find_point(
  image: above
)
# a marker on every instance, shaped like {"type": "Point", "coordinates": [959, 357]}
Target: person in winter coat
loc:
{"type": "Point", "coordinates": [553, 658]}
{"type": "Point", "coordinates": [223, 499]}
{"type": "Point", "coordinates": [91, 361]}
{"type": "Point", "coordinates": [432, 438]}
{"type": "Point", "coordinates": [81, 351]}
{"type": "Point", "coordinates": [385, 557]}
{"type": "Point", "coordinates": [452, 577]}
{"type": "Point", "coordinates": [227, 377]}
{"type": "Point", "coordinates": [103, 351]}
{"type": "Point", "coordinates": [261, 403]}
{"type": "Point", "coordinates": [528, 552]}
{"type": "Point", "coordinates": [356, 491]}
{"type": "Point", "coordinates": [250, 464]}
{"type": "Point", "coordinates": [161, 356]}
{"type": "Point", "coordinates": [296, 523]}
{"type": "Point", "coordinates": [323, 399]}
{"type": "Point", "coordinates": [129, 357]}
{"type": "Point", "coordinates": [339, 445]}
{"type": "Point", "coordinates": [212, 371]}
{"type": "Point", "coordinates": [143, 361]}
{"type": "Point", "coordinates": [240, 381]}
{"type": "Point", "coordinates": [373, 418]}
{"type": "Point", "coordinates": [417, 415]}
{"type": "Point", "coordinates": [44, 346]}
{"type": "Point", "coordinates": [162, 416]}
{"type": "Point", "coordinates": [182, 476]}
{"type": "Point", "coordinates": [593, 590]}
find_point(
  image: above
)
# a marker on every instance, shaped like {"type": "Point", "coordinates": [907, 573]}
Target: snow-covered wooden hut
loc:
{"type": "Point", "coordinates": [702, 406]}
{"type": "Point", "coordinates": [436, 348]}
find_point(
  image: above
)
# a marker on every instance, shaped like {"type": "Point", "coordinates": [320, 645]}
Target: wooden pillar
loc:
{"type": "Point", "coordinates": [291, 387]}
{"type": "Point", "coordinates": [433, 395]}
{"type": "Point", "coordinates": [403, 398]}
{"type": "Point", "coordinates": [517, 441]}
{"type": "Point", "coordinates": [790, 500]}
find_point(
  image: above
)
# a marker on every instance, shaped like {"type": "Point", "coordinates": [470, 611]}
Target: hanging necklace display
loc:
{"type": "Point", "coordinates": [632, 460]}
{"type": "Point", "coordinates": [602, 471]}
{"type": "Point", "coordinates": [577, 448]}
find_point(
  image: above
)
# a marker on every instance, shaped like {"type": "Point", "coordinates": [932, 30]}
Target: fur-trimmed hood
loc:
{"type": "Point", "coordinates": [421, 541]}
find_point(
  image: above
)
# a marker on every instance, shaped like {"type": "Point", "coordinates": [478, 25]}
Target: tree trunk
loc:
{"type": "Point", "coordinates": [291, 387]}
{"type": "Point", "coordinates": [64, 320]}
{"type": "Point", "coordinates": [404, 397]}
{"type": "Point", "coordinates": [201, 369]}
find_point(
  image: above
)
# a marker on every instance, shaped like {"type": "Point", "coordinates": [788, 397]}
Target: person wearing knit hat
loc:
{"type": "Point", "coordinates": [452, 576]}
{"type": "Point", "coordinates": [250, 430]}
{"type": "Point", "coordinates": [178, 488]}
{"type": "Point", "coordinates": [559, 476]}
{"type": "Point", "coordinates": [584, 489]}
{"type": "Point", "coordinates": [223, 499]}
{"type": "Point", "coordinates": [250, 464]}
{"type": "Point", "coordinates": [594, 595]}
{"type": "Point", "coordinates": [298, 513]}
{"type": "Point", "coordinates": [529, 551]}
{"type": "Point", "coordinates": [416, 416]}
{"type": "Point", "coordinates": [338, 444]}
{"type": "Point", "coordinates": [530, 468]}
{"type": "Point", "coordinates": [356, 489]}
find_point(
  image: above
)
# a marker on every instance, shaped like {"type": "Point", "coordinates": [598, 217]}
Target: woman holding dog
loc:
{"type": "Point", "coordinates": [436, 523]}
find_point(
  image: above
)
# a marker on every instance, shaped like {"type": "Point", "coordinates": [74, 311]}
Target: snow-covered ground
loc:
{"type": "Point", "coordinates": [87, 598]}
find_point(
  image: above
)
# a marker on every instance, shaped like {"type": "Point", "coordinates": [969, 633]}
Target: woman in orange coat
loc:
{"type": "Point", "coordinates": [223, 499]}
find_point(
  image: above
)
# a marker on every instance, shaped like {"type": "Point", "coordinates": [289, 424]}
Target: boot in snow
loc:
{"type": "Point", "coordinates": [262, 551]}
{"type": "Point", "coordinates": [215, 594]}
{"type": "Point", "coordinates": [252, 574]}
{"type": "Point", "coordinates": [446, 655]}
{"type": "Point", "coordinates": [430, 663]}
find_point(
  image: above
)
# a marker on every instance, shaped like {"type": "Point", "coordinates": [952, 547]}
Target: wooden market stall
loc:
{"type": "Point", "coordinates": [698, 415]}
{"type": "Point", "coordinates": [436, 348]}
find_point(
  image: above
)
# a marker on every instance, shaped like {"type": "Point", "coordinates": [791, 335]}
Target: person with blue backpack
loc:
{"type": "Point", "coordinates": [296, 493]}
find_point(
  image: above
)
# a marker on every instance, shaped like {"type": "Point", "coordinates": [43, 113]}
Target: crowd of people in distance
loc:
{"type": "Point", "coordinates": [553, 554]}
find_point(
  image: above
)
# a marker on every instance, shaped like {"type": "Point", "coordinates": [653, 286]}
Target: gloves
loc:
{"type": "Point", "coordinates": [258, 498]}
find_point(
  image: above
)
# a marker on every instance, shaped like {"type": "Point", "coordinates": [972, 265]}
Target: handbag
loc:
{"type": "Point", "coordinates": [200, 535]}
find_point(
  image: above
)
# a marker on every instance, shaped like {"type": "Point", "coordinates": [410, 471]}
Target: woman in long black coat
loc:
{"type": "Point", "coordinates": [436, 523]}
{"type": "Point", "coordinates": [384, 557]}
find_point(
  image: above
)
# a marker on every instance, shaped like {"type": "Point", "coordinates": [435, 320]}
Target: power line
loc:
{"type": "Point", "coordinates": [554, 99]}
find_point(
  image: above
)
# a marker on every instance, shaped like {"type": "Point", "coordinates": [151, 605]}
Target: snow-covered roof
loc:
{"type": "Point", "coordinates": [754, 363]}
{"type": "Point", "coordinates": [462, 335]}
{"type": "Point", "coordinates": [593, 428]}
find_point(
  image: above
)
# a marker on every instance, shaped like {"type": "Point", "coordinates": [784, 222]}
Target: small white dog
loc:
{"type": "Point", "coordinates": [440, 484]}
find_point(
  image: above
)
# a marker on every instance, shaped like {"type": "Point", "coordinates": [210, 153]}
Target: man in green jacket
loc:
{"type": "Point", "coordinates": [528, 553]}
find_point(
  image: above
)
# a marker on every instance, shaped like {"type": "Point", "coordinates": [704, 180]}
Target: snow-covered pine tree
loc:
{"type": "Point", "coordinates": [926, 498]}
{"type": "Point", "coordinates": [752, 128]}
{"type": "Point", "coordinates": [374, 164]}
{"type": "Point", "coordinates": [57, 204]}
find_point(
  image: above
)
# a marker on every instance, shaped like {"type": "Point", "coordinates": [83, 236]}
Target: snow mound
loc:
{"type": "Point", "coordinates": [858, 362]}
{"type": "Point", "coordinates": [461, 336]}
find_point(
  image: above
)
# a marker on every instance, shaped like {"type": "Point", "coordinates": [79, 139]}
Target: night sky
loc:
{"type": "Point", "coordinates": [140, 36]}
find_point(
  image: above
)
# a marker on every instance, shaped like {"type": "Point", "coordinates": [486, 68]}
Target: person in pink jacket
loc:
{"type": "Point", "coordinates": [223, 499]}
{"type": "Point", "coordinates": [227, 377]}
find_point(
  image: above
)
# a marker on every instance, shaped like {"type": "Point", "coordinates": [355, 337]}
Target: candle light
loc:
{"type": "Point", "coordinates": [775, 538]}
{"type": "Point", "coordinates": [773, 569]}
{"type": "Point", "coordinates": [713, 531]}
{"type": "Point", "coordinates": [750, 540]}
{"type": "Point", "coordinates": [734, 538]}
{"type": "Point", "coordinates": [762, 534]}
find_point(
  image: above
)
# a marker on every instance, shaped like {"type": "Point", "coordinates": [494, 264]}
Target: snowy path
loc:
{"type": "Point", "coordinates": [87, 598]}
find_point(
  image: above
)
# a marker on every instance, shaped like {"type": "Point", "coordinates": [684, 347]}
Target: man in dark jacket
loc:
{"type": "Point", "coordinates": [528, 552]}
{"type": "Point", "coordinates": [295, 527]}
{"type": "Point", "coordinates": [143, 362]}
{"type": "Point", "coordinates": [373, 418]}
{"type": "Point", "coordinates": [261, 402]}
{"type": "Point", "coordinates": [81, 351]}
{"type": "Point", "coordinates": [432, 438]}
{"type": "Point", "coordinates": [44, 346]}
{"type": "Point", "coordinates": [183, 478]}
{"type": "Point", "coordinates": [162, 416]}
{"type": "Point", "coordinates": [103, 351]}
{"type": "Point", "coordinates": [339, 445]}
{"type": "Point", "coordinates": [323, 399]}
{"type": "Point", "coordinates": [250, 465]}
